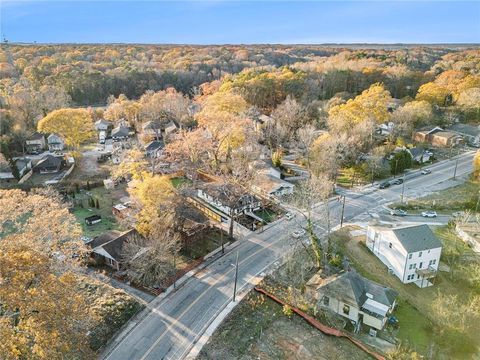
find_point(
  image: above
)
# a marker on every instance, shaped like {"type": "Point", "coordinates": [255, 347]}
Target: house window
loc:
{"type": "Point", "coordinates": [326, 300]}
{"type": "Point", "coordinates": [409, 256]}
{"type": "Point", "coordinates": [346, 309]}
{"type": "Point", "coordinates": [420, 254]}
{"type": "Point", "coordinates": [390, 245]}
{"type": "Point", "coordinates": [420, 265]}
{"type": "Point", "coordinates": [434, 261]}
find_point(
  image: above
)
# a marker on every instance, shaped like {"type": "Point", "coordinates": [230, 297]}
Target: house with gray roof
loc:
{"type": "Point", "coordinates": [354, 297]}
{"type": "Point", "coordinates": [412, 253]}
{"type": "Point", "coordinates": [108, 248]}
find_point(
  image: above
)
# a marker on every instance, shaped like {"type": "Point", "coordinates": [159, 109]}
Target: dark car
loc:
{"type": "Point", "coordinates": [397, 182]}
{"type": "Point", "coordinates": [384, 185]}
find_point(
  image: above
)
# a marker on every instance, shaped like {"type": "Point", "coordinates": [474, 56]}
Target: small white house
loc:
{"type": "Point", "coordinates": [412, 253]}
{"type": "Point", "coordinates": [154, 149]}
{"type": "Point", "coordinates": [354, 297]}
{"type": "Point", "coordinates": [268, 180]}
{"type": "Point", "coordinates": [55, 143]}
{"type": "Point", "coordinates": [420, 155]}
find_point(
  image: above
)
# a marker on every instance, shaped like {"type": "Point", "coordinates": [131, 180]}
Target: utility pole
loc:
{"type": "Point", "coordinates": [403, 187]}
{"type": "Point", "coordinates": [343, 211]}
{"type": "Point", "coordinates": [395, 172]}
{"type": "Point", "coordinates": [236, 276]}
{"type": "Point", "coordinates": [221, 237]}
{"type": "Point", "coordinates": [174, 270]}
{"type": "Point", "coordinates": [455, 171]}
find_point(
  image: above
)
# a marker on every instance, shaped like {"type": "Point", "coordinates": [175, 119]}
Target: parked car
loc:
{"type": "Point", "coordinates": [426, 171]}
{"type": "Point", "coordinates": [289, 216]}
{"type": "Point", "coordinates": [298, 233]}
{"type": "Point", "coordinates": [398, 212]}
{"type": "Point", "coordinates": [384, 185]}
{"type": "Point", "coordinates": [429, 214]}
{"type": "Point", "coordinates": [397, 182]}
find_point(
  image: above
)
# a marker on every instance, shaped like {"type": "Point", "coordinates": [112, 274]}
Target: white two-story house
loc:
{"type": "Point", "coordinates": [55, 143]}
{"type": "Point", "coordinates": [412, 253]}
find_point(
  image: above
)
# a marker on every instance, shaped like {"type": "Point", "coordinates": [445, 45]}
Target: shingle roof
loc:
{"type": "Point", "coordinates": [417, 238]}
{"type": "Point", "coordinates": [354, 288]}
{"type": "Point", "coordinates": [154, 145]}
{"type": "Point", "coordinates": [121, 131]}
{"type": "Point", "coordinates": [49, 161]}
{"type": "Point", "coordinates": [36, 136]}
{"type": "Point", "coordinates": [112, 243]}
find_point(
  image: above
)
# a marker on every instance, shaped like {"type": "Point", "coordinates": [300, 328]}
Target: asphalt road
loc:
{"type": "Point", "coordinates": [174, 323]}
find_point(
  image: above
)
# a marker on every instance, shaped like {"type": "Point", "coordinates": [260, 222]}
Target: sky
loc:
{"type": "Point", "coordinates": [240, 22]}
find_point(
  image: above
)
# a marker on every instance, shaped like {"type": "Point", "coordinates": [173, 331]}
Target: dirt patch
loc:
{"type": "Point", "coordinates": [258, 329]}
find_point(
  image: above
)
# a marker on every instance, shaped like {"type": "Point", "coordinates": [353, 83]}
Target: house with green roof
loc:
{"type": "Point", "coordinates": [412, 253]}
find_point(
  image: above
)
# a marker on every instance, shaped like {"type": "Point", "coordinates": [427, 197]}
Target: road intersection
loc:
{"type": "Point", "coordinates": [171, 325]}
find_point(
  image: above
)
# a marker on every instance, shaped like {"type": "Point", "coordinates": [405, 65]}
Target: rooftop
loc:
{"type": "Point", "coordinates": [417, 238]}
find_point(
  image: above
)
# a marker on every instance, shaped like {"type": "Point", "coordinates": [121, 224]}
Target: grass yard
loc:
{"type": "Point", "coordinates": [461, 197]}
{"type": "Point", "coordinates": [267, 215]}
{"type": "Point", "coordinates": [415, 330]}
{"type": "Point", "coordinates": [207, 241]}
{"type": "Point", "coordinates": [179, 181]}
{"type": "Point", "coordinates": [106, 198]}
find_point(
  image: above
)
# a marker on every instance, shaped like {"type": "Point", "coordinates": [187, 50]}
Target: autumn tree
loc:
{"type": "Point", "coordinates": [222, 115]}
{"type": "Point", "coordinates": [153, 196]}
{"type": "Point", "coordinates": [370, 105]}
{"type": "Point", "coordinates": [43, 314]}
{"type": "Point", "coordinates": [75, 126]}
{"type": "Point", "coordinates": [413, 114]}
{"type": "Point", "coordinates": [476, 165]}
{"type": "Point", "coordinates": [433, 93]}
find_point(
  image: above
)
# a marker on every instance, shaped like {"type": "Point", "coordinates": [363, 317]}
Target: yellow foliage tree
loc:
{"type": "Point", "coordinates": [476, 165]}
{"type": "Point", "coordinates": [154, 196]}
{"type": "Point", "coordinates": [371, 104]}
{"type": "Point", "coordinates": [75, 126]}
{"type": "Point", "coordinates": [42, 313]}
{"type": "Point", "coordinates": [433, 93]}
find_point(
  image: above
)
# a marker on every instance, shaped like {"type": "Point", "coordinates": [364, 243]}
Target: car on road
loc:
{"type": "Point", "coordinates": [289, 216]}
{"type": "Point", "coordinates": [397, 182]}
{"type": "Point", "coordinates": [384, 185]}
{"type": "Point", "coordinates": [398, 212]}
{"type": "Point", "coordinates": [298, 233]}
{"type": "Point", "coordinates": [426, 171]}
{"type": "Point", "coordinates": [429, 214]}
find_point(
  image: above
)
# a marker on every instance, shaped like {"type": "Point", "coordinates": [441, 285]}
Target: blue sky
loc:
{"type": "Point", "coordinates": [234, 22]}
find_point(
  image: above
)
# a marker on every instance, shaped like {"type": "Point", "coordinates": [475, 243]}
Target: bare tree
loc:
{"type": "Point", "coordinates": [151, 260]}
{"type": "Point", "coordinates": [308, 195]}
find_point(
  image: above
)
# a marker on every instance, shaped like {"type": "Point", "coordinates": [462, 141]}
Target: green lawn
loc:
{"type": "Point", "coordinates": [179, 181]}
{"type": "Point", "coordinates": [208, 241]}
{"type": "Point", "coordinates": [267, 215]}
{"type": "Point", "coordinates": [461, 197]}
{"type": "Point", "coordinates": [415, 330]}
{"type": "Point", "coordinates": [105, 211]}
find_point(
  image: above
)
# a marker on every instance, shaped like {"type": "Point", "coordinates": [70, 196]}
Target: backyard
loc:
{"type": "Point", "coordinates": [106, 199]}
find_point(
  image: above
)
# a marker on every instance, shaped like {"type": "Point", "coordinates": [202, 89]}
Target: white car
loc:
{"type": "Point", "coordinates": [298, 233]}
{"type": "Point", "coordinates": [429, 214]}
{"type": "Point", "coordinates": [426, 171]}
{"type": "Point", "coordinates": [289, 216]}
